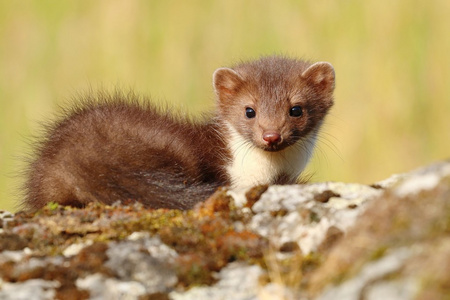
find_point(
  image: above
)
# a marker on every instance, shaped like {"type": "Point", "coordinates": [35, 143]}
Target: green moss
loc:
{"type": "Point", "coordinates": [314, 217]}
{"type": "Point", "coordinates": [204, 238]}
{"type": "Point", "coordinates": [378, 253]}
{"type": "Point", "coordinates": [52, 205]}
{"type": "Point", "coordinates": [311, 261]}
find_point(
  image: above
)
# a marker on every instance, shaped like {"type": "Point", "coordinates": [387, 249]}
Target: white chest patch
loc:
{"type": "Point", "coordinates": [252, 166]}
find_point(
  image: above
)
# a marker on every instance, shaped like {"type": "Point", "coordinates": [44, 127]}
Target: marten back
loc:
{"type": "Point", "coordinates": [113, 148]}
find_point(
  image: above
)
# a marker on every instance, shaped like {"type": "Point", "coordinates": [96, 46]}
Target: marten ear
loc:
{"type": "Point", "coordinates": [226, 82]}
{"type": "Point", "coordinates": [321, 76]}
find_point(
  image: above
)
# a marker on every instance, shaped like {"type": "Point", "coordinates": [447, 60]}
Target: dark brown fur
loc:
{"type": "Point", "coordinates": [118, 147]}
{"type": "Point", "coordinates": [113, 148]}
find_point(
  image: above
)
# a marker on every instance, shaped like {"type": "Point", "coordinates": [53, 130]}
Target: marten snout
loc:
{"type": "Point", "coordinates": [271, 137]}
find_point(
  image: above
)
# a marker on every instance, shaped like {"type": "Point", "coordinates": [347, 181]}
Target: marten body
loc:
{"type": "Point", "coordinates": [114, 147]}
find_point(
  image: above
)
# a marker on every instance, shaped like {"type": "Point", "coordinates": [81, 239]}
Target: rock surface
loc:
{"type": "Point", "coordinates": [326, 240]}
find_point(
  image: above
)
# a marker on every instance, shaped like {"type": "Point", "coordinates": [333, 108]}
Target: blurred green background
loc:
{"type": "Point", "coordinates": [392, 61]}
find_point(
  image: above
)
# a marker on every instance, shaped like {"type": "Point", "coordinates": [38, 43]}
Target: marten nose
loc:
{"type": "Point", "coordinates": [271, 137]}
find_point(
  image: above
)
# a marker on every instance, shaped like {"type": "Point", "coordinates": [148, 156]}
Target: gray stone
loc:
{"type": "Point", "coordinates": [236, 281]}
{"type": "Point", "coordinates": [146, 260]}
{"type": "Point", "coordinates": [354, 289]}
{"type": "Point", "coordinates": [101, 287]}
{"type": "Point", "coordinates": [305, 220]}
{"type": "Point", "coordinates": [36, 289]}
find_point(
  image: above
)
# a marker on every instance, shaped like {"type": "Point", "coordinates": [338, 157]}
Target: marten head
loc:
{"type": "Point", "coordinates": [275, 101]}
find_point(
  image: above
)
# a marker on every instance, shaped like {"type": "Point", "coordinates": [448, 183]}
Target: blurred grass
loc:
{"type": "Point", "coordinates": [391, 58]}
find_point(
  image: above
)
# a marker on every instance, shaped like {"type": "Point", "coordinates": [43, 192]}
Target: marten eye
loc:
{"type": "Point", "coordinates": [250, 113]}
{"type": "Point", "coordinates": [296, 111]}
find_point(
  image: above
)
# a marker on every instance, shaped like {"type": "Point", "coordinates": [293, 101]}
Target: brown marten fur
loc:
{"type": "Point", "coordinates": [118, 147]}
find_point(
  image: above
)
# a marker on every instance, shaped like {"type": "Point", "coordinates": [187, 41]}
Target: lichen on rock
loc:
{"type": "Point", "coordinates": [309, 241]}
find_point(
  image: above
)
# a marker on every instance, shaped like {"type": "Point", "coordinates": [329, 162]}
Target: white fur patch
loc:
{"type": "Point", "coordinates": [252, 166]}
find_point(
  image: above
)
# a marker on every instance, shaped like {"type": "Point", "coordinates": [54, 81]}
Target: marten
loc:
{"type": "Point", "coordinates": [120, 147]}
